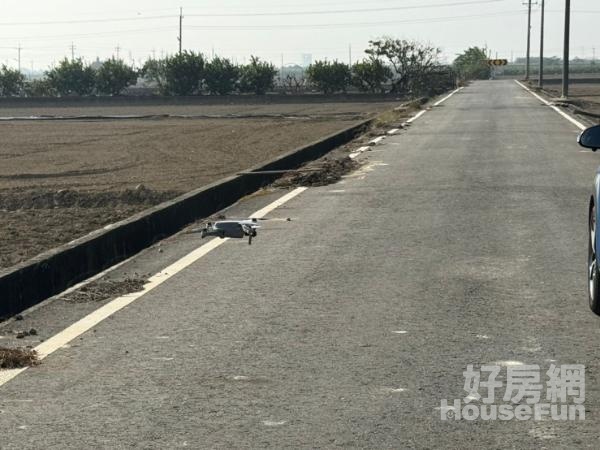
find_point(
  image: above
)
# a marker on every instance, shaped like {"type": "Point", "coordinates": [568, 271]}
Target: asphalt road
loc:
{"type": "Point", "coordinates": [461, 241]}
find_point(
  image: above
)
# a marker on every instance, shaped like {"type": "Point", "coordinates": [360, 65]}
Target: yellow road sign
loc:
{"type": "Point", "coordinates": [497, 62]}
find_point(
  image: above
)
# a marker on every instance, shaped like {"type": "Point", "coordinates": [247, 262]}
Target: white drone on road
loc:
{"type": "Point", "coordinates": [237, 229]}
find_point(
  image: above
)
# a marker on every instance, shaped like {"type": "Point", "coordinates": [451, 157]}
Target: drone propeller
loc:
{"type": "Point", "coordinates": [262, 219]}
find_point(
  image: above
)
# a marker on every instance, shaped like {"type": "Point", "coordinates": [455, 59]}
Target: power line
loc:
{"type": "Point", "coordinates": [266, 14]}
{"type": "Point", "coordinates": [90, 35]}
{"type": "Point", "coordinates": [355, 24]}
{"type": "Point", "coordinates": [345, 11]}
{"type": "Point", "coordinates": [66, 22]}
{"type": "Point", "coordinates": [257, 14]}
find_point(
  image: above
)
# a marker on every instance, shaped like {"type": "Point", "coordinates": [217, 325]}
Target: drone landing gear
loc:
{"type": "Point", "coordinates": [251, 233]}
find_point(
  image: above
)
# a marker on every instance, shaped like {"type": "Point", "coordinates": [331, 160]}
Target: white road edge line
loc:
{"type": "Point", "coordinates": [439, 102]}
{"type": "Point", "coordinates": [75, 330]}
{"type": "Point", "coordinates": [555, 108]}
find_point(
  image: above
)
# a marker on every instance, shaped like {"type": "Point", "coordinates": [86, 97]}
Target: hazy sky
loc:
{"type": "Point", "coordinates": [273, 29]}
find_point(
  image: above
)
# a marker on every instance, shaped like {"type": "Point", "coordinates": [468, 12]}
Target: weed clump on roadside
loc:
{"type": "Point", "coordinates": [98, 291]}
{"type": "Point", "coordinates": [320, 173]}
{"type": "Point", "coordinates": [17, 358]}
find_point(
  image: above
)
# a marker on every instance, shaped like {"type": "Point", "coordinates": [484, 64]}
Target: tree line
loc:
{"type": "Point", "coordinates": [391, 65]}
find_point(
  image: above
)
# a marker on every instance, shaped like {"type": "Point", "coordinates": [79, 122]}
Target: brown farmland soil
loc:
{"type": "Point", "coordinates": [60, 180]}
{"type": "Point", "coordinates": [585, 96]}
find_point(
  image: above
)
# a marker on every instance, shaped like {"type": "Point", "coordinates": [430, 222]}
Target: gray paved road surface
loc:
{"type": "Point", "coordinates": [463, 241]}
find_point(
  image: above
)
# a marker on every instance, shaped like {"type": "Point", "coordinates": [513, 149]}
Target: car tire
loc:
{"type": "Point", "coordinates": [593, 272]}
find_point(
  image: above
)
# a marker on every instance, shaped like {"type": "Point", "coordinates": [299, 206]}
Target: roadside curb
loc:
{"type": "Point", "coordinates": [51, 272]}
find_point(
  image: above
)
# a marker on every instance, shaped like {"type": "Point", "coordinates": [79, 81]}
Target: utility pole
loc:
{"type": "Point", "coordinates": [180, 27]}
{"type": "Point", "coordinates": [541, 79]}
{"type": "Point", "coordinates": [528, 38]}
{"type": "Point", "coordinates": [350, 54]}
{"type": "Point", "coordinates": [565, 80]}
{"type": "Point", "coordinates": [118, 50]}
{"type": "Point", "coordinates": [19, 57]}
{"type": "Point", "coordinates": [72, 52]}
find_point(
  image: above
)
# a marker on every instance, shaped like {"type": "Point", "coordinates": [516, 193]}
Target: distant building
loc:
{"type": "Point", "coordinates": [306, 59]}
{"type": "Point", "coordinates": [96, 64]}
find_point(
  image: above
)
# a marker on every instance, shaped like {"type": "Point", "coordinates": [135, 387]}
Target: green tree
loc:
{"type": "Point", "coordinates": [183, 73]}
{"type": "Point", "coordinates": [11, 82]}
{"type": "Point", "coordinates": [154, 71]}
{"type": "Point", "coordinates": [472, 64]}
{"type": "Point", "coordinates": [411, 61]}
{"type": "Point", "coordinates": [39, 87]}
{"type": "Point", "coordinates": [329, 77]}
{"type": "Point", "coordinates": [72, 77]}
{"type": "Point", "coordinates": [370, 75]}
{"type": "Point", "coordinates": [114, 76]}
{"type": "Point", "coordinates": [221, 76]}
{"type": "Point", "coordinates": [257, 77]}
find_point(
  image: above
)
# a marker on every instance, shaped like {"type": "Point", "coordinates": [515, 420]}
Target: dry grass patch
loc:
{"type": "Point", "coordinates": [101, 290]}
{"type": "Point", "coordinates": [17, 358]}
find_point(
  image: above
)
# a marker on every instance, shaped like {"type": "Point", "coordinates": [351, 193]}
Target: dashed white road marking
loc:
{"type": "Point", "coordinates": [393, 390]}
{"type": "Point", "coordinates": [507, 363]}
{"type": "Point", "coordinates": [61, 339]}
{"type": "Point", "coordinates": [416, 116]}
{"type": "Point", "coordinates": [377, 140]}
{"type": "Point", "coordinates": [399, 332]}
{"type": "Point", "coordinates": [555, 108]}
{"type": "Point", "coordinates": [358, 151]}
{"type": "Point", "coordinates": [273, 423]}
